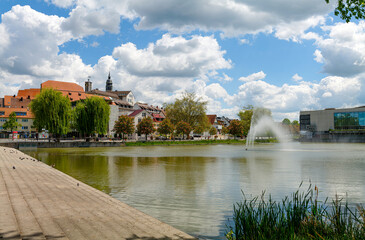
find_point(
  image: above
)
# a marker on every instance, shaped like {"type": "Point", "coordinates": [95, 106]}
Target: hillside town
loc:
{"type": "Point", "coordinates": [120, 103]}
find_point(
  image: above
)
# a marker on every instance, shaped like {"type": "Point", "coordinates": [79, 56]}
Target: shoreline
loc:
{"type": "Point", "coordinates": [84, 144]}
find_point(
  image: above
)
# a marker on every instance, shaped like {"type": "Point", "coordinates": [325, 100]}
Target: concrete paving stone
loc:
{"type": "Point", "coordinates": [40, 202]}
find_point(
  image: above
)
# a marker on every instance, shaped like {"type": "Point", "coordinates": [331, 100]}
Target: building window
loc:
{"type": "Point", "coordinates": [24, 120]}
{"type": "Point", "coordinates": [2, 113]}
{"type": "Point", "coordinates": [1, 127]}
{"type": "Point", "coordinates": [139, 120]}
{"type": "Point", "coordinates": [3, 120]}
{"type": "Point", "coordinates": [20, 113]}
{"type": "Point", "coordinates": [25, 127]}
{"type": "Point", "coordinates": [349, 120]}
{"type": "Point", "coordinates": [144, 114]}
{"type": "Point", "coordinates": [305, 121]}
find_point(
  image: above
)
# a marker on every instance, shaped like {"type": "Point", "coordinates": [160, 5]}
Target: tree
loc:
{"type": "Point", "coordinates": [286, 121]}
{"type": "Point", "coordinates": [245, 116]}
{"type": "Point", "coordinates": [225, 130]}
{"type": "Point", "coordinates": [11, 123]}
{"type": "Point", "coordinates": [145, 126]}
{"type": "Point", "coordinates": [235, 128]}
{"type": "Point", "coordinates": [295, 123]}
{"type": "Point", "coordinates": [199, 129]}
{"type": "Point", "coordinates": [92, 116]}
{"type": "Point", "coordinates": [349, 9]}
{"type": "Point", "coordinates": [251, 115]}
{"type": "Point", "coordinates": [52, 111]}
{"type": "Point", "coordinates": [189, 109]}
{"type": "Point", "coordinates": [183, 128]}
{"type": "Point", "coordinates": [213, 131]}
{"type": "Point", "coordinates": [124, 125]}
{"type": "Point", "coordinates": [166, 127]}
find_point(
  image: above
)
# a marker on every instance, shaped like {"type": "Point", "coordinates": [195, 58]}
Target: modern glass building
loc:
{"type": "Point", "coordinates": [332, 119]}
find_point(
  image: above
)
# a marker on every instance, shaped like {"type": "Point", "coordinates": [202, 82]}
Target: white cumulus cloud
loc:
{"type": "Point", "coordinates": [296, 77]}
{"type": "Point", "coordinates": [253, 77]}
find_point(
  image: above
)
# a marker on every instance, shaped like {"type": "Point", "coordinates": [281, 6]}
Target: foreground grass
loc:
{"type": "Point", "coordinates": [300, 216]}
{"type": "Point", "coordinates": [193, 142]}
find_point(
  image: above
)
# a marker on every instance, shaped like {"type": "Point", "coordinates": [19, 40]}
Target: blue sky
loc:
{"type": "Point", "coordinates": [281, 54]}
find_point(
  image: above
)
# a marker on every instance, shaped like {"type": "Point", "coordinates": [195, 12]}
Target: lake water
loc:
{"type": "Point", "coordinates": [193, 188]}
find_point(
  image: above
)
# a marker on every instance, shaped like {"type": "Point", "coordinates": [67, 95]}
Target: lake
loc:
{"type": "Point", "coordinates": [193, 188]}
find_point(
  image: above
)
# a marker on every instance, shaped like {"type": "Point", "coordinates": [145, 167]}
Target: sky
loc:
{"type": "Point", "coordinates": [284, 55]}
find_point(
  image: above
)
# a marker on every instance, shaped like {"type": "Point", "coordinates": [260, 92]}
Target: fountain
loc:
{"type": "Point", "coordinates": [265, 126]}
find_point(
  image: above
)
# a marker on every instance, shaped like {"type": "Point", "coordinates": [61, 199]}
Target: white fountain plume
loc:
{"type": "Point", "coordinates": [265, 126]}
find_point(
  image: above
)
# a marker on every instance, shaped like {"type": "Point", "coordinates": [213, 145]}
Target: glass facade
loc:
{"type": "Point", "coordinates": [349, 120]}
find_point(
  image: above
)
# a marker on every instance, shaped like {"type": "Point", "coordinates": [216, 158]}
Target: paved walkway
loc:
{"type": "Point", "coordinates": [40, 202]}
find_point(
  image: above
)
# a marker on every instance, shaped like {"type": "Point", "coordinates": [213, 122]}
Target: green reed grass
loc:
{"type": "Point", "coordinates": [300, 216]}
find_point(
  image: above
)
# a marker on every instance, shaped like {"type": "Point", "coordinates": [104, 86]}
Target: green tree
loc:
{"type": "Point", "coordinates": [245, 116]}
{"type": "Point", "coordinates": [250, 115]}
{"type": "Point", "coordinates": [213, 131]}
{"type": "Point", "coordinates": [225, 130]}
{"type": "Point", "coordinates": [199, 129]}
{"type": "Point", "coordinates": [286, 121]}
{"type": "Point", "coordinates": [166, 127]}
{"type": "Point", "coordinates": [347, 9]}
{"type": "Point", "coordinates": [295, 123]}
{"type": "Point", "coordinates": [52, 111]}
{"type": "Point", "coordinates": [145, 126]}
{"type": "Point", "coordinates": [189, 109]}
{"type": "Point", "coordinates": [124, 125]}
{"type": "Point", "coordinates": [183, 128]}
{"type": "Point", "coordinates": [235, 128]}
{"type": "Point", "coordinates": [92, 116]}
{"type": "Point", "coordinates": [11, 123]}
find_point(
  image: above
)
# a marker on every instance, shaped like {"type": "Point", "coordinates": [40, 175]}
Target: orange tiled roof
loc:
{"type": "Point", "coordinates": [76, 96]}
{"type": "Point", "coordinates": [7, 100]}
{"type": "Point", "coordinates": [155, 115]}
{"type": "Point", "coordinates": [7, 112]}
{"type": "Point", "coordinates": [62, 86]}
{"type": "Point", "coordinates": [212, 118]}
{"type": "Point", "coordinates": [71, 90]}
{"type": "Point", "coordinates": [32, 93]}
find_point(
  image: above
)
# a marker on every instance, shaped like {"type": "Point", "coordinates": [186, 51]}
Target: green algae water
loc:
{"type": "Point", "coordinates": [193, 188]}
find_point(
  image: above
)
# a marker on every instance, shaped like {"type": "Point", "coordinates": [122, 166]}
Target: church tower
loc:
{"type": "Point", "coordinates": [88, 85]}
{"type": "Point", "coordinates": [109, 84]}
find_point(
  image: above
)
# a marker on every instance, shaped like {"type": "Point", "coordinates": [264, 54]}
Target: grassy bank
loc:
{"type": "Point", "coordinates": [300, 216]}
{"type": "Point", "coordinates": [193, 142]}
{"type": "Point", "coordinates": [185, 142]}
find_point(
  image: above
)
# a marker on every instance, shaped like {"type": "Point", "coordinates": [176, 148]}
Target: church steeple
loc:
{"type": "Point", "coordinates": [109, 84]}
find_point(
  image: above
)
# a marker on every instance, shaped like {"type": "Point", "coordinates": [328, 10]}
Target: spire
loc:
{"type": "Point", "coordinates": [109, 84]}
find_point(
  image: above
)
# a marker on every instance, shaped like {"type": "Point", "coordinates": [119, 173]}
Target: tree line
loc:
{"type": "Point", "coordinates": [53, 111]}
{"type": "Point", "coordinates": [186, 114]}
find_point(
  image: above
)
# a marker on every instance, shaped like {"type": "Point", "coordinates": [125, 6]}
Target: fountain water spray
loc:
{"type": "Point", "coordinates": [265, 126]}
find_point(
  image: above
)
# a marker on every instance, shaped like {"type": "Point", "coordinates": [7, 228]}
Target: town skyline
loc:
{"type": "Point", "coordinates": [247, 53]}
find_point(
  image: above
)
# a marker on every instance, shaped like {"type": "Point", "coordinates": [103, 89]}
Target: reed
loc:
{"type": "Point", "coordinates": [298, 216]}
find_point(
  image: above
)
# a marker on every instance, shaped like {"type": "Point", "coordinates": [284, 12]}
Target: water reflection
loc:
{"type": "Point", "coordinates": [194, 187]}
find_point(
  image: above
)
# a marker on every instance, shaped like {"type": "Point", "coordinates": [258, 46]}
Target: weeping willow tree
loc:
{"type": "Point", "coordinates": [92, 116]}
{"type": "Point", "coordinates": [52, 111]}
